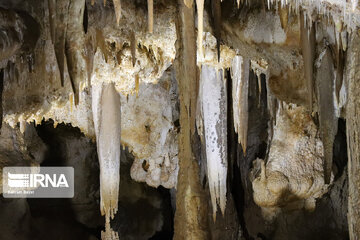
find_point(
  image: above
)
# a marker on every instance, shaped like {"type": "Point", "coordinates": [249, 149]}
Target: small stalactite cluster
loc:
{"type": "Point", "coordinates": [67, 33]}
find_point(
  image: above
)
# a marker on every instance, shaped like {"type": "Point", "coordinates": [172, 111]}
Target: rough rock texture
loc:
{"type": "Point", "coordinates": [149, 51]}
{"type": "Point", "coordinates": [20, 146]}
{"type": "Point", "coordinates": [293, 175]}
{"type": "Point", "coordinates": [352, 131]}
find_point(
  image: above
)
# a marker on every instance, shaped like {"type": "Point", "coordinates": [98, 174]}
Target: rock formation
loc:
{"type": "Point", "coordinates": [171, 109]}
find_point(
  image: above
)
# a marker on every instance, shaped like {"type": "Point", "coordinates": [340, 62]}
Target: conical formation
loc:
{"type": "Point", "coordinates": [107, 122]}
{"type": "Point", "coordinates": [214, 109]}
{"type": "Point", "coordinates": [240, 82]}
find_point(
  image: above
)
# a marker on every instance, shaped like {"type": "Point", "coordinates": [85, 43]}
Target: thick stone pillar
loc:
{"type": "Point", "coordinates": [191, 204]}
{"type": "Point", "coordinates": [353, 135]}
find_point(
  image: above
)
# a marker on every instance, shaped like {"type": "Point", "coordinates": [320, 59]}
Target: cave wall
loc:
{"type": "Point", "coordinates": [241, 114]}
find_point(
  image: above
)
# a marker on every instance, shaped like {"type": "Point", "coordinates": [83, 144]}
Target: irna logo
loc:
{"type": "Point", "coordinates": [38, 182]}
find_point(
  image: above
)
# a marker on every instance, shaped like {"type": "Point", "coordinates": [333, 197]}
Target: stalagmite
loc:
{"type": "Point", "coordinates": [214, 104]}
{"type": "Point", "coordinates": [353, 134]}
{"type": "Point", "coordinates": [200, 18]}
{"type": "Point", "coordinates": [240, 83]}
{"type": "Point", "coordinates": [216, 10]}
{"type": "Point", "coordinates": [191, 202]}
{"type": "Point", "coordinates": [150, 4]}
{"type": "Point", "coordinates": [308, 52]}
{"type": "Point", "coordinates": [327, 109]}
{"type": "Point", "coordinates": [117, 6]}
{"type": "Point", "coordinates": [107, 117]}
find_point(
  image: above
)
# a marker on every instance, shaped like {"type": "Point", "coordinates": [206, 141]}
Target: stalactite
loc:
{"type": "Point", "coordinates": [104, 3]}
{"type": "Point", "coordinates": [353, 133]}
{"type": "Point", "coordinates": [150, 4]}
{"type": "Point", "coordinates": [133, 48]}
{"type": "Point", "coordinates": [191, 203]}
{"type": "Point", "coordinates": [283, 14]}
{"type": "Point", "coordinates": [74, 44]}
{"type": "Point", "coordinates": [200, 18]}
{"type": "Point", "coordinates": [62, 8]}
{"type": "Point", "coordinates": [307, 31]}
{"type": "Point", "coordinates": [340, 60]}
{"type": "Point", "coordinates": [240, 78]}
{"type": "Point", "coordinates": [117, 7]}
{"type": "Point", "coordinates": [90, 52]}
{"type": "Point", "coordinates": [52, 18]}
{"type": "Point", "coordinates": [214, 104]}
{"type": "Point", "coordinates": [92, 2]}
{"type": "Point", "coordinates": [102, 45]}
{"type": "Point", "coordinates": [107, 121]}
{"type": "Point", "coordinates": [327, 109]}
{"type": "Point", "coordinates": [216, 10]}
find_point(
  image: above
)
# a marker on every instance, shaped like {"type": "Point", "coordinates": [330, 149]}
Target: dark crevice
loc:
{"type": "Point", "coordinates": [85, 20]}
{"type": "Point", "coordinates": [340, 156]}
{"type": "Point", "coordinates": [58, 213]}
{"type": "Point", "coordinates": [234, 174]}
